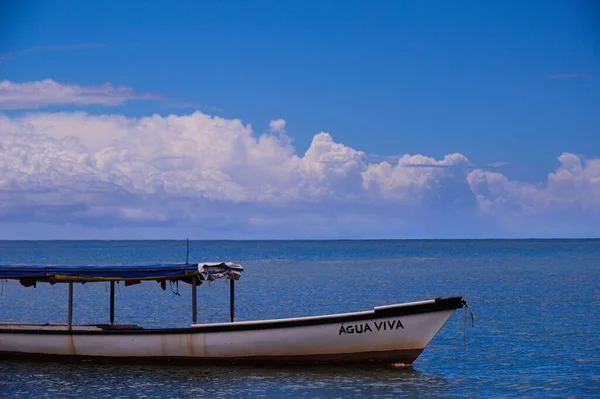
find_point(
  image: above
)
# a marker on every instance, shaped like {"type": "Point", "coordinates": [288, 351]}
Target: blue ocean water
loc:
{"type": "Point", "coordinates": [536, 305]}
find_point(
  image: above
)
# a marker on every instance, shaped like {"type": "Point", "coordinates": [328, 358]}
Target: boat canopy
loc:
{"type": "Point", "coordinates": [214, 271]}
{"type": "Point", "coordinates": [161, 272]}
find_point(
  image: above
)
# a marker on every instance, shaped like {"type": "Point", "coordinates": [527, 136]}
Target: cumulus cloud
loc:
{"type": "Point", "coordinates": [574, 184]}
{"type": "Point", "coordinates": [419, 179]}
{"type": "Point", "coordinates": [277, 126]}
{"type": "Point", "coordinates": [568, 203]}
{"type": "Point", "coordinates": [219, 175]}
{"type": "Point", "coordinates": [45, 93]}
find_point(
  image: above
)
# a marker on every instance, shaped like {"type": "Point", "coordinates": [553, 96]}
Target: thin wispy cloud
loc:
{"type": "Point", "coordinates": [47, 93]}
{"type": "Point", "coordinates": [173, 103]}
{"type": "Point", "coordinates": [398, 159]}
{"type": "Point", "coordinates": [383, 158]}
{"type": "Point", "coordinates": [468, 166]}
{"type": "Point", "coordinates": [404, 162]}
{"type": "Point", "coordinates": [566, 75]}
{"type": "Point", "coordinates": [497, 165]}
{"type": "Point", "coordinates": [439, 166]}
{"type": "Point", "coordinates": [68, 47]}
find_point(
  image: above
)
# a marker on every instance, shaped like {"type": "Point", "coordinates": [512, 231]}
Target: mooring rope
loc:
{"type": "Point", "coordinates": [465, 322]}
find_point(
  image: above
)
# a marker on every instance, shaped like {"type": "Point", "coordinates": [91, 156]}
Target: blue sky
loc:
{"type": "Point", "coordinates": [511, 86]}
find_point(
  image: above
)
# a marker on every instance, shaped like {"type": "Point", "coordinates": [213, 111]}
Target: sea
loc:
{"type": "Point", "coordinates": [536, 306]}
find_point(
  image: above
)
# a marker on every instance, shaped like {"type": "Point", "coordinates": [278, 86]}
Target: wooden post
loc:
{"type": "Point", "coordinates": [112, 303]}
{"type": "Point", "coordinates": [231, 299]}
{"type": "Point", "coordinates": [194, 299]}
{"type": "Point", "coordinates": [70, 305]}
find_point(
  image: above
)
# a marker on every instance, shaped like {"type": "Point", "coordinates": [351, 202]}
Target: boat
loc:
{"type": "Point", "coordinates": [391, 334]}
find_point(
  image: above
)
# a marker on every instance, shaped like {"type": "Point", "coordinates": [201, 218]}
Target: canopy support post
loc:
{"type": "Point", "coordinates": [112, 303]}
{"type": "Point", "coordinates": [194, 299]}
{"type": "Point", "coordinates": [231, 299]}
{"type": "Point", "coordinates": [70, 319]}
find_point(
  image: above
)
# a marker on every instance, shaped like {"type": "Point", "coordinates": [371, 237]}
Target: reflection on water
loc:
{"type": "Point", "coordinates": [59, 380]}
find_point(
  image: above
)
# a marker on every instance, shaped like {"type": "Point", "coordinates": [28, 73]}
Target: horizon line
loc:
{"type": "Point", "coordinates": [317, 239]}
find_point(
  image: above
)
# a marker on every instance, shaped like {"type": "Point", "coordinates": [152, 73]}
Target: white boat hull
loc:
{"type": "Point", "coordinates": [391, 334]}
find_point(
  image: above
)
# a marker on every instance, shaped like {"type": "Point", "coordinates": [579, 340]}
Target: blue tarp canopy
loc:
{"type": "Point", "coordinates": [170, 272]}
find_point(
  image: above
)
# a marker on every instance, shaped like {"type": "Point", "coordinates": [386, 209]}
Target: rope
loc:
{"type": "Point", "coordinates": [465, 322]}
{"type": "Point", "coordinates": [177, 285]}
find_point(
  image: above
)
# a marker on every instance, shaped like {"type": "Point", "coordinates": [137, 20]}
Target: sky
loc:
{"type": "Point", "coordinates": [299, 120]}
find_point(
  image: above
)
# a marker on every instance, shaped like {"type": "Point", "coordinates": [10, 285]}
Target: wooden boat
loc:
{"type": "Point", "coordinates": [388, 334]}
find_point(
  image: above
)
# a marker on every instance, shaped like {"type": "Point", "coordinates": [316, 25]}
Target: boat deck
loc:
{"type": "Point", "coordinates": [65, 327]}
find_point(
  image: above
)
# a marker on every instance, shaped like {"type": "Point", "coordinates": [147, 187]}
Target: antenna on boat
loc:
{"type": "Point", "coordinates": [187, 254]}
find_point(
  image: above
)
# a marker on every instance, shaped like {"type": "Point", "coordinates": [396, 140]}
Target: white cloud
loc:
{"type": "Point", "coordinates": [568, 203]}
{"type": "Point", "coordinates": [217, 174]}
{"type": "Point", "coordinates": [574, 184]}
{"type": "Point", "coordinates": [419, 179]}
{"type": "Point", "coordinates": [45, 93]}
{"type": "Point", "coordinates": [277, 126]}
